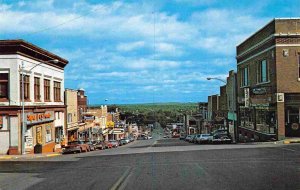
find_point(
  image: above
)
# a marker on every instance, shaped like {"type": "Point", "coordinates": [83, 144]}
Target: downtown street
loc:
{"type": "Point", "coordinates": [161, 164]}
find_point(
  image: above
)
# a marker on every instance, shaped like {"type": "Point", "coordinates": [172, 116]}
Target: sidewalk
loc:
{"type": "Point", "coordinates": [291, 140]}
{"type": "Point", "coordinates": [28, 156]}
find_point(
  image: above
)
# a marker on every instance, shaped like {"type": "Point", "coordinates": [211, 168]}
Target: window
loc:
{"type": "Point", "coordinates": [3, 85]}
{"type": "Point", "coordinates": [26, 87]}
{"type": "Point", "coordinates": [56, 91]}
{"type": "Point", "coordinates": [262, 72]}
{"type": "Point", "coordinates": [48, 134]}
{"type": "Point", "coordinates": [69, 117]}
{"type": "Point", "coordinates": [37, 93]}
{"type": "Point", "coordinates": [47, 90]}
{"type": "Point", "coordinates": [245, 78]}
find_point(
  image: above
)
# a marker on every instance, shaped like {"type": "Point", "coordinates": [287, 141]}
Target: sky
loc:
{"type": "Point", "coordinates": [142, 51]}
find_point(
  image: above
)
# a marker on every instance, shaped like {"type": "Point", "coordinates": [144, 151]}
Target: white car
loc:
{"type": "Point", "coordinates": [204, 138]}
{"type": "Point", "coordinates": [149, 137]}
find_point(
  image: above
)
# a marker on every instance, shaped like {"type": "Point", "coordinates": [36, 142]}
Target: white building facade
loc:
{"type": "Point", "coordinates": [43, 98]}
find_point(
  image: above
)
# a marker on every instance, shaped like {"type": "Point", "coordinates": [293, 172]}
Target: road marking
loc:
{"type": "Point", "coordinates": [289, 149]}
{"type": "Point", "coordinates": [123, 179]}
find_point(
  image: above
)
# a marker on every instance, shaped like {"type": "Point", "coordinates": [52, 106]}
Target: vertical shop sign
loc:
{"type": "Point", "coordinates": [247, 97]}
{"type": "Point", "coordinates": [39, 135]}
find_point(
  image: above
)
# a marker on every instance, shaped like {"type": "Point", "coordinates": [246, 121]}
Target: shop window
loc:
{"type": "Point", "coordinates": [262, 71]}
{"type": "Point", "coordinates": [57, 89]}
{"type": "Point", "coordinates": [48, 134]}
{"type": "Point", "coordinates": [4, 85]}
{"type": "Point", "coordinates": [26, 87]}
{"type": "Point", "coordinates": [247, 118]}
{"type": "Point", "coordinates": [37, 90]}
{"type": "Point", "coordinates": [47, 90]}
{"type": "Point", "coordinates": [245, 77]}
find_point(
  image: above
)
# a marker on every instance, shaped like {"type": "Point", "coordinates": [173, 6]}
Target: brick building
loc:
{"type": "Point", "coordinates": [231, 104]}
{"type": "Point", "coordinates": [268, 75]}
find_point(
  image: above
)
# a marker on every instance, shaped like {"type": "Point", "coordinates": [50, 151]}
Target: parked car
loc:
{"type": "Point", "coordinates": [76, 147]}
{"type": "Point", "coordinates": [204, 138]}
{"type": "Point", "coordinates": [192, 139]}
{"type": "Point", "coordinates": [149, 137]}
{"type": "Point", "coordinates": [221, 139]}
{"type": "Point", "coordinates": [182, 136]}
{"type": "Point", "coordinates": [123, 142]}
{"type": "Point", "coordinates": [91, 145]}
{"type": "Point", "coordinates": [100, 145]}
{"type": "Point", "coordinates": [188, 137]}
{"type": "Point", "coordinates": [141, 138]}
{"type": "Point", "coordinates": [108, 144]}
{"type": "Point", "coordinates": [131, 139]}
{"type": "Point", "coordinates": [114, 143]}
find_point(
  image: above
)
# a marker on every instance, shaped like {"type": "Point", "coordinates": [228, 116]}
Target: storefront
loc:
{"type": "Point", "coordinates": [292, 115]}
{"type": "Point", "coordinates": [40, 130]}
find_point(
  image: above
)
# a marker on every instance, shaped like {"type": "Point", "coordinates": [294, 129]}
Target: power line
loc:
{"type": "Point", "coordinates": [60, 24]}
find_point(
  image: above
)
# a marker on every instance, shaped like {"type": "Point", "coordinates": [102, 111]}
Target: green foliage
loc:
{"type": "Point", "coordinates": [168, 108]}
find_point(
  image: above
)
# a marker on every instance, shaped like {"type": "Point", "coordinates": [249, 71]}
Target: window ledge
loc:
{"type": "Point", "coordinates": [245, 86]}
{"type": "Point", "coordinates": [264, 82]}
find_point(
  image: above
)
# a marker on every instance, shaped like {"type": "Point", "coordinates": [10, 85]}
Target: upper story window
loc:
{"type": "Point", "coordinates": [26, 87]}
{"type": "Point", "coordinates": [57, 91]}
{"type": "Point", "coordinates": [47, 90]}
{"type": "Point", "coordinates": [262, 73]}
{"type": "Point", "coordinates": [3, 85]}
{"type": "Point", "coordinates": [245, 76]}
{"type": "Point", "coordinates": [37, 89]}
{"type": "Point", "coordinates": [69, 117]}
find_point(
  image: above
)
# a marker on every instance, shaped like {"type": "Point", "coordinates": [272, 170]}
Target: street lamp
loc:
{"type": "Point", "coordinates": [23, 106]}
{"type": "Point", "coordinates": [210, 78]}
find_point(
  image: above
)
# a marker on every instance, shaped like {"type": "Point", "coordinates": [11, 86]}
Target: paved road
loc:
{"type": "Point", "coordinates": [174, 164]}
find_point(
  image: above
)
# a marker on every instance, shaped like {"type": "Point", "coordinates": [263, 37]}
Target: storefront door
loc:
{"type": "Point", "coordinates": [292, 122]}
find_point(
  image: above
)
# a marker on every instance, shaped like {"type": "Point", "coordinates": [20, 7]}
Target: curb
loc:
{"type": "Point", "coordinates": [6, 157]}
{"type": "Point", "coordinates": [291, 141]}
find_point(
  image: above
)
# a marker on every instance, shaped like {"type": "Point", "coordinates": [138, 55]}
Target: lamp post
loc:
{"type": "Point", "coordinates": [23, 103]}
{"type": "Point", "coordinates": [210, 78]}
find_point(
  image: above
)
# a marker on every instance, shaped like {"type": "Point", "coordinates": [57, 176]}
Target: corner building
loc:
{"type": "Point", "coordinates": [268, 74]}
{"type": "Point", "coordinates": [43, 97]}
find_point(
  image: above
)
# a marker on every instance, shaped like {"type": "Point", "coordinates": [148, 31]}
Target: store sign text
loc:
{"type": "Point", "coordinates": [33, 118]}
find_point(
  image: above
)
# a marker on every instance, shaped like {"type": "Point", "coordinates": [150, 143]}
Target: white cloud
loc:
{"type": "Point", "coordinates": [130, 46]}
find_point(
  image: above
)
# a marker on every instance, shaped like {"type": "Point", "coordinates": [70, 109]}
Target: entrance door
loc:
{"type": "Point", "coordinates": [292, 128]}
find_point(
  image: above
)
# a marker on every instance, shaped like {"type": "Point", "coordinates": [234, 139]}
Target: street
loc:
{"type": "Point", "coordinates": [161, 164]}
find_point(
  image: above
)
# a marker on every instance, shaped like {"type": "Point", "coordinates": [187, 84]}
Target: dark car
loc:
{"type": "Point", "coordinates": [141, 138]}
{"type": "Point", "coordinates": [76, 147]}
{"type": "Point", "coordinates": [100, 145]}
{"type": "Point", "coordinates": [91, 145]}
{"type": "Point", "coordinates": [131, 139]}
{"type": "Point", "coordinates": [123, 142]}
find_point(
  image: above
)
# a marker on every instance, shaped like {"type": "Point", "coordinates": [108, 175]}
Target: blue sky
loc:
{"type": "Point", "coordinates": [142, 51]}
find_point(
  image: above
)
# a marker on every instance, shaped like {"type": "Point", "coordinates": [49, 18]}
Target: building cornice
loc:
{"type": "Point", "coordinates": [26, 49]}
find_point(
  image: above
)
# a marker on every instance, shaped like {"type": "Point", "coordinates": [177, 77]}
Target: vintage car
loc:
{"type": "Point", "coordinates": [76, 147]}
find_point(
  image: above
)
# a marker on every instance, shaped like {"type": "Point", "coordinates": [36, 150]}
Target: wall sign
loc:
{"type": "Point", "coordinates": [280, 97]}
{"type": "Point", "coordinates": [34, 118]}
{"type": "Point", "coordinates": [247, 96]}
